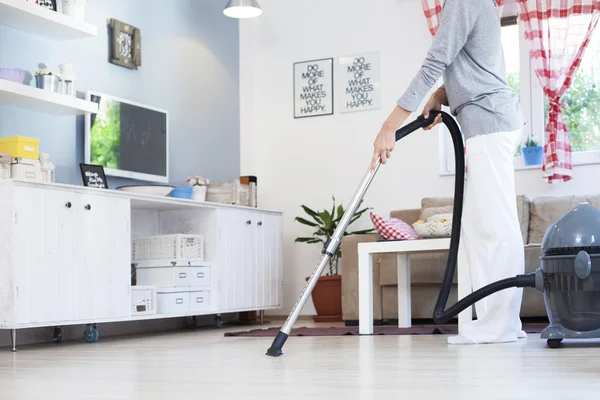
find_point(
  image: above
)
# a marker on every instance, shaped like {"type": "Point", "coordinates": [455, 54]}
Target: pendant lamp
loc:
{"type": "Point", "coordinates": [242, 9]}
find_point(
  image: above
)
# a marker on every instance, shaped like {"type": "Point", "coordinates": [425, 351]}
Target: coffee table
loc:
{"type": "Point", "coordinates": [403, 249]}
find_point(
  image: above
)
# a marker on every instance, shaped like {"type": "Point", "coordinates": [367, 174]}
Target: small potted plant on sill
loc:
{"type": "Point", "coordinates": [327, 293]}
{"type": "Point", "coordinates": [532, 152]}
{"type": "Point", "coordinates": [199, 185]}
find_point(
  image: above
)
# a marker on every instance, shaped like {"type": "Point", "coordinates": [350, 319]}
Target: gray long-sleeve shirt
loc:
{"type": "Point", "coordinates": [467, 51]}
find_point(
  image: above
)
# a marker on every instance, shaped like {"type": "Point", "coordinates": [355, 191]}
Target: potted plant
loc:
{"type": "Point", "coordinates": [199, 185]}
{"type": "Point", "coordinates": [532, 152]}
{"type": "Point", "coordinates": [47, 79]}
{"type": "Point", "coordinates": [327, 293]}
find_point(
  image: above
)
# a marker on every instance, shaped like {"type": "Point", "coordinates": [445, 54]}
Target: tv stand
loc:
{"type": "Point", "coordinates": [65, 254]}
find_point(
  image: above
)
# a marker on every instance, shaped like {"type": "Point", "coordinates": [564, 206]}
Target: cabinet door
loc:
{"type": "Point", "coordinates": [268, 260]}
{"type": "Point", "coordinates": [105, 258]}
{"type": "Point", "coordinates": [236, 259]}
{"type": "Point", "coordinates": [46, 239]}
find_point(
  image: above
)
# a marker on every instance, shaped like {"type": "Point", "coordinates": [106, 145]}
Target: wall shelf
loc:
{"type": "Point", "coordinates": [34, 19]}
{"type": "Point", "coordinates": [42, 101]}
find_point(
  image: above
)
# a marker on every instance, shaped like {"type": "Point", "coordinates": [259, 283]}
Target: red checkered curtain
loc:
{"type": "Point", "coordinates": [558, 32]}
{"type": "Point", "coordinates": [433, 9]}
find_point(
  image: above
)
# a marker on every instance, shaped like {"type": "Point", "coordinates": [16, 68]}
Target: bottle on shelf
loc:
{"type": "Point", "coordinates": [47, 169]}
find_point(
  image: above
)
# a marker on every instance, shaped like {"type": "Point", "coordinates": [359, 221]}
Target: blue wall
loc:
{"type": "Point", "coordinates": [190, 55]}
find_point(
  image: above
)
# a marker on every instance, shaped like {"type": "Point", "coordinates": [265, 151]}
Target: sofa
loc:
{"type": "Point", "coordinates": [427, 269]}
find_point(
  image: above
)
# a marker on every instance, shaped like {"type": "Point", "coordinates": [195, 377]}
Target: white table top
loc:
{"type": "Point", "coordinates": [404, 246]}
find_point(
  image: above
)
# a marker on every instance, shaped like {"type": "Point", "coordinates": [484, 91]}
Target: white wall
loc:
{"type": "Point", "coordinates": [306, 161]}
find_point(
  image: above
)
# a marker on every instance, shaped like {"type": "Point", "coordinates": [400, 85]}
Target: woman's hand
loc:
{"type": "Point", "coordinates": [436, 101]}
{"type": "Point", "coordinates": [386, 139]}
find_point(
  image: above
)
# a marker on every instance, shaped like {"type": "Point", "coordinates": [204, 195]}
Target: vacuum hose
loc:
{"type": "Point", "coordinates": [440, 315]}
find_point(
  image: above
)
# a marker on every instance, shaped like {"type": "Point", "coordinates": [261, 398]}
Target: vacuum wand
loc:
{"type": "Point", "coordinates": [332, 244]}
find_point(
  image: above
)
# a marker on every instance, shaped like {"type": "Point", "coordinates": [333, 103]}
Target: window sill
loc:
{"type": "Point", "coordinates": [586, 159]}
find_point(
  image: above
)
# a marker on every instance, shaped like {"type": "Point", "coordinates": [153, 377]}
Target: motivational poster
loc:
{"type": "Point", "coordinates": [313, 88]}
{"type": "Point", "coordinates": [358, 82]}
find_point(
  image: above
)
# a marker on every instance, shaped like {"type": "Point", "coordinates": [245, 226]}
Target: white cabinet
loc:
{"type": "Point", "coordinates": [250, 260]}
{"type": "Point", "coordinates": [65, 256]}
{"type": "Point", "coordinates": [71, 256]}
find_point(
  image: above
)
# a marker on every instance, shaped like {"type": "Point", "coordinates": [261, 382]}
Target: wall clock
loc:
{"type": "Point", "coordinates": [125, 45]}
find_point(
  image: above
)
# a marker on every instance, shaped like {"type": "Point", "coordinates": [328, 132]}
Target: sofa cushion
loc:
{"type": "Point", "coordinates": [393, 228]}
{"type": "Point", "coordinates": [547, 210]}
{"type": "Point", "coordinates": [440, 205]}
{"type": "Point", "coordinates": [431, 206]}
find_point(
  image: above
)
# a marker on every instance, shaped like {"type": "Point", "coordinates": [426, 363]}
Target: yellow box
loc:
{"type": "Point", "coordinates": [21, 147]}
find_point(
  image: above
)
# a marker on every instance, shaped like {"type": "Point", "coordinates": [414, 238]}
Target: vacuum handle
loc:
{"type": "Point", "coordinates": [420, 122]}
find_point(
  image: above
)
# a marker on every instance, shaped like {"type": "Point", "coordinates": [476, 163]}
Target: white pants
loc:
{"type": "Point", "coordinates": [491, 235]}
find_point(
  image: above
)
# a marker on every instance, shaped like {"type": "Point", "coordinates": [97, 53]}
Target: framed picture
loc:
{"type": "Point", "coordinates": [93, 176]}
{"type": "Point", "coordinates": [313, 88]}
{"type": "Point", "coordinates": [358, 82]}
{"type": "Point", "coordinates": [49, 4]}
{"type": "Point", "coordinates": [125, 45]}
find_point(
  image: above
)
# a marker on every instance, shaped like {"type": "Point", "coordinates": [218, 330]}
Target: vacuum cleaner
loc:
{"type": "Point", "coordinates": [569, 276]}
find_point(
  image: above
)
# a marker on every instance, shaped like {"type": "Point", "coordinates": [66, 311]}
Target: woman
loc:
{"type": "Point", "coordinates": [467, 52]}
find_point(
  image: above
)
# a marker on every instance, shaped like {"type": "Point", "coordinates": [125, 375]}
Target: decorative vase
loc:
{"type": "Point", "coordinates": [199, 193]}
{"type": "Point", "coordinates": [327, 299]}
{"type": "Point", "coordinates": [533, 155]}
{"type": "Point", "coordinates": [74, 8]}
{"type": "Point", "coordinates": [47, 82]}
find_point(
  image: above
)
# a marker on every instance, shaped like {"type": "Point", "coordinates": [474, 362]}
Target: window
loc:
{"type": "Point", "coordinates": [583, 99]}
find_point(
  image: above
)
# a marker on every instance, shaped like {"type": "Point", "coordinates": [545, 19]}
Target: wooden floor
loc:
{"type": "Point", "coordinates": [203, 364]}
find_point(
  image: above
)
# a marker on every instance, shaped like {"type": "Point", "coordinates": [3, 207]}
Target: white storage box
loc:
{"type": "Point", "coordinates": [177, 301]}
{"type": "Point", "coordinates": [199, 301]}
{"type": "Point", "coordinates": [143, 300]}
{"type": "Point", "coordinates": [169, 248]}
{"type": "Point", "coordinates": [173, 300]}
{"type": "Point", "coordinates": [174, 276]}
{"type": "Point", "coordinates": [26, 172]}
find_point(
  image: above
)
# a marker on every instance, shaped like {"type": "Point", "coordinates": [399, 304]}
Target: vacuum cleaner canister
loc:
{"type": "Point", "coordinates": [569, 276]}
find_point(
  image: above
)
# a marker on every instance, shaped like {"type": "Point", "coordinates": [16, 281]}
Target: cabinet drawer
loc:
{"type": "Point", "coordinates": [165, 277]}
{"type": "Point", "coordinates": [174, 276]}
{"type": "Point", "coordinates": [172, 302]}
{"type": "Point", "coordinates": [199, 301]}
{"type": "Point", "coordinates": [199, 276]}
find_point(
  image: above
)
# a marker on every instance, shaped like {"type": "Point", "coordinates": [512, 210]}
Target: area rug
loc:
{"type": "Point", "coordinates": [378, 330]}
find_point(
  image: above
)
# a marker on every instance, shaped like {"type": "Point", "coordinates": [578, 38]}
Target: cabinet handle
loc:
{"type": "Point", "coordinates": [68, 205]}
{"type": "Point", "coordinates": [259, 223]}
{"type": "Point", "coordinates": [199, 299]}
{"type": "Point", "coordinates": [88, 207]}
{"type": "Point", "coordinates": [182, 275]}
{"type": "Point", "coordinates": [179, 301]}
{"type": "Point", "coordinates": [200, 275]}
{"type": "Point", "coordinates": [248, 222]}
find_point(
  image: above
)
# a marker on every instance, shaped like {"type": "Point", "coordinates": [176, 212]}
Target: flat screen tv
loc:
{"type": "Point", "coordinates": [130, 140]}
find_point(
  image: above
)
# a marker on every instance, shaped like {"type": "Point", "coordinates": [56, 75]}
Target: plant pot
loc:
{"type": "Point", "coordinates": [74, 8]}
{"type": "Point", "coordinates": [199, 193]}
{"type": "Point", "coordinates": [47, 82]}
{"type": "Point", "coordinates": [327, 299]}
{"type": "Point", "coordinates": [533, 155]}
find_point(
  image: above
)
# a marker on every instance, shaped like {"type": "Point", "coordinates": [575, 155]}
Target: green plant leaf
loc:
{"type": "Point", "coordinates": [308, 240]}
{"type": "Point", "coordinates": [313, 214]}
{"type": "Point", "coordinates": [305, 222]}
{"type": "Point", "coordinates": [326, 217]}
{"type": "Point", "coordinates": [333, 208]}
{"type": "Point", "coordinates": [363, 232]}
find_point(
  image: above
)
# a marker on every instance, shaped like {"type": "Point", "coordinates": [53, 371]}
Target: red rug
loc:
{"type": "Point", "coordinates": [378, 330]}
